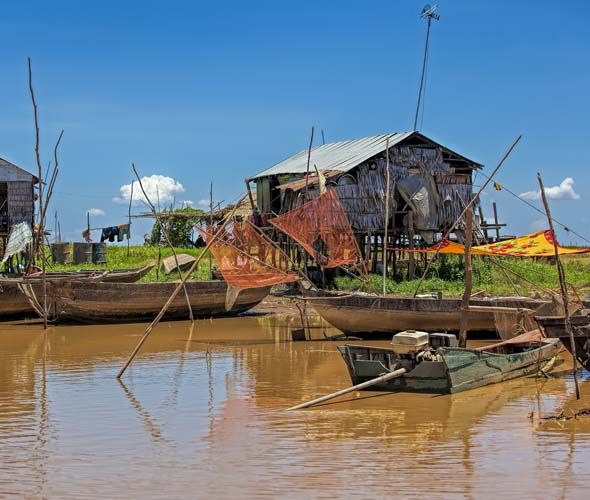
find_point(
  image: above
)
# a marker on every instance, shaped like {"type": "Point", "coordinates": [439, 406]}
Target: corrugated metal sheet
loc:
{"type": "Point", "coordinates": [345, 155]}
{"type": "Point", "coordinates": [342, 156]}
{"type": "Point", "coordinates": [18, 172]}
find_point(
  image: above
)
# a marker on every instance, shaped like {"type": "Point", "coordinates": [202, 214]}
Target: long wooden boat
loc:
{"type": "Point", "coordinates": [448, 370]}
{"type": "Point", "coordinates": [366, 314]}
{"type": "Point", "coordinates": [554, 327]}
{"type": "Point", "coordinates": [14, 303]}
{"type": "Point", "coordinates": [99, 302]}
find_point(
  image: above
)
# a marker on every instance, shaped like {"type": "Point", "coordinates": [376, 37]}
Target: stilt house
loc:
{"type": "Point", "coordinates": [430, 185]}
{"type": "Point", "coordinates": [17, 197]}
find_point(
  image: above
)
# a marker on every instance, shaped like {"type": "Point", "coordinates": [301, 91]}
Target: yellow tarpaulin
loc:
{"type": "Point", "coordinates": [532, 245]}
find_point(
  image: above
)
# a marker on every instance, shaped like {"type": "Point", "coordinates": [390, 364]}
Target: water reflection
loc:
{"type": "Point", "coordinates": [201, 413]}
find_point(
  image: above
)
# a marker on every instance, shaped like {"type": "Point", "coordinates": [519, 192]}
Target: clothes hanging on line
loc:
{"type": "Point", "coordinates": [124, 231]}
{"type": "Point", "coordinates": [109, 233]}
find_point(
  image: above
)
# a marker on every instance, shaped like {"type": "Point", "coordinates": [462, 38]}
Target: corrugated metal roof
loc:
{"type": "Point", "coordinates": [6, 164]}
{"type": "Point", "coordinates": [342, 156]}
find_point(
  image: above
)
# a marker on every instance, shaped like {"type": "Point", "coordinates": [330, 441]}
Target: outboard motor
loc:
{"type": "Point", "coordinates": [409, 341]}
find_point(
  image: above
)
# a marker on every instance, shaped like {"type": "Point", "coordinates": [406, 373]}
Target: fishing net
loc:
{"type": "Point", "coordinates": [322, 228]}
{"type": "Point", "coordinates": [246, 258]}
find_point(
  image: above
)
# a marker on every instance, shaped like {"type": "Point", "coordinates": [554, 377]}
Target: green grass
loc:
{"type": "Point", "coordinates": [139, 256]}
{"type": "Point", "coordinates": [447, 276]}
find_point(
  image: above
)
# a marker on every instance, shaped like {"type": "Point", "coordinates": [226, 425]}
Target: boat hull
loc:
{"type": "Point", "coordinates": [554, 327]}
{"type": "Point", "coordinates": [460, 369]}
{"type": "Point", "coordinates": [13, 302]}
{"type": "Point", "coordinates": [93, 302]}
{"type": "Point", "coordinates": [367, 314]}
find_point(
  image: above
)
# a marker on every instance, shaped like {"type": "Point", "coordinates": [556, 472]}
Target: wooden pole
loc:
{"type": "Point", "coordinates": [211, 228]}
{"type": "Point", "coordinates": [464, 320]}
{"type": "Point", "coordinates": [40, 239]}
{"type": "Point", "coordinates": [180, 285]}
{"type": "Point", "coordinates": [471, 202]}
{"type": "Point", "coordinates": [308, 161]}
{"type": "Point", "coordinates": [357, 387]}
{"type": "Point", "coordinates": [562, 285]}
{"type": "Point", "coordinates": [411, 260]}
{"type": "Point", "coordinates": [129, 219]}
{"type": "Point", "coordinates": [496, 222]}
{"type": "Point", "coordinates": [249, 191]}
{"type": "Point", "coordinates": [159, 222]}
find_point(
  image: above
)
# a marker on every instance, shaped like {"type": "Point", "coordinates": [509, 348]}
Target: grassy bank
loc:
{"type": "Point", "coordinates": [447, 276]}
{"type": "Point", "coordinates": [139, 256]}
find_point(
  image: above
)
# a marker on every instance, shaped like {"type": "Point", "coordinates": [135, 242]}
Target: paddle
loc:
{"type": "Point", "coordinates": [363, 385]}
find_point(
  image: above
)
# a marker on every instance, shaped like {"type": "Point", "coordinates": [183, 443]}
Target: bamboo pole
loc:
{"type": "Point", "coordinates": [308, 161]}
{"type": "Point", "coordinates": [357, 387]}
{"type": "Point", "coordinates": [386, 225]}
{"type": "Point", "coordinates": [211, 228]}
{"type": "Point", "coordinates": [164, 232]}
{"type": "Point", "coordinates": [471, 202]}
{"type": "Point", "coordinates": [464, 320]}
{"type": "Point", "coordinates": [411, 259]}
{"type": "Point", "coordinates": [180, 285]}
{"type": "Point", "coordinates": [39, 240]}
{"type": "Point", "coordinates": [129, 219]}
{"type": "Point", "coordinates": [562, 284]}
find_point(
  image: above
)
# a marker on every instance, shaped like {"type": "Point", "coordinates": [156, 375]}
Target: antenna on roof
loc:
{"type": "Point", "coordinates": [429, 13]}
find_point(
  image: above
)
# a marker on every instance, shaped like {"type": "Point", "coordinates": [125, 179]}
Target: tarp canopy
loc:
{"type": "Point", "coordinates": [532, 245]}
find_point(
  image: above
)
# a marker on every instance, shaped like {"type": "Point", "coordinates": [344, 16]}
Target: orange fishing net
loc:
{"type": "Point", "coordinates": [322, 228]}
{"type": "Point", "coordinates": [247, 259]}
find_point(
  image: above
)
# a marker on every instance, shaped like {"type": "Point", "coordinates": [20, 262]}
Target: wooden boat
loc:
{"type": "Point", "coordinates": [554, 327]}
{"type": "Point", "coordinates": [365, 314]}
{"type": "Point", "coordinates": [14, 303]}
{"type": "Point", "coordinates": [100, 302]}
{"type": "Point", "coordinates": [449, 370]}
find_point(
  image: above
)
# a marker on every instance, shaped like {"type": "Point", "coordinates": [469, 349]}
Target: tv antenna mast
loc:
{"type": "Point", "coordinates": [429, 13]}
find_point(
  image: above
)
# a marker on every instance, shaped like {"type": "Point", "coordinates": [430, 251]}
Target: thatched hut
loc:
{"type": "Point", "coordinates": [430, 186]}
{"type": "Point", "coordinates": [17, 196]}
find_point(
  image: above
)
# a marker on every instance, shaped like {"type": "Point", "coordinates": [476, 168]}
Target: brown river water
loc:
{"type": "Point", "coordinates": [201, 414]}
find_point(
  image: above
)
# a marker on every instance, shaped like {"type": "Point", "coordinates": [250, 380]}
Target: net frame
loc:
{"type": "Point", "coordinates": [242, 255]}
{"type": "Point", "coordinates": [322, 228]}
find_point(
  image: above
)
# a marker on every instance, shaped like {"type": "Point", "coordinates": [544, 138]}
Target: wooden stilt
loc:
{"type": "Point", "coordinates": [411, 259]}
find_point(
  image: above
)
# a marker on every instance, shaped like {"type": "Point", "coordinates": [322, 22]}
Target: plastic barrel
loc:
{"type": "Point", "coordinates": [99, 253]}
{"type": "Point", "coordinates": [60, 253]}
{"type": "Point", "coordinates": [82, 253]}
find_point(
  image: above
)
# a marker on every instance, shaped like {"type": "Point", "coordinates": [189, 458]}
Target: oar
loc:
{"type": "Point", "coordinates": [368, 383]}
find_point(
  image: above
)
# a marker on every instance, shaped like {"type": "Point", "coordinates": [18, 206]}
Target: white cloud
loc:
{"type": "Point", "coordinates": [187, 203]}
{"type": "Point", "coordinates": [95, 212]}
{"type": "Point", "coordinates": [203, 203]}
{"type": "Point", "coordinates": [157, 187]}
{"type": "Point", "coordinates": [565, 191]}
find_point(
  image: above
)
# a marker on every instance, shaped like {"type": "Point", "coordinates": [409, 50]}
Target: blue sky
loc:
{"type": "Point", "coordinates": [216, 91]}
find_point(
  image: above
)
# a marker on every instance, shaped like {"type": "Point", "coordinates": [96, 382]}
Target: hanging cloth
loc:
{"type": "Point", "coordinates": [21, 235]}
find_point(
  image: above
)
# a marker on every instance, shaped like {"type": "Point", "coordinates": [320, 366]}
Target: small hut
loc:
{"type": "Point", "coordinates": [430, 185]}
{"type": "Point", "coordinates": [17, 197]}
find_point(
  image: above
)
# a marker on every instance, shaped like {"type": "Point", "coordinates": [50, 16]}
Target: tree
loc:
{"type": "Point", "coordinates": [177, 227]}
